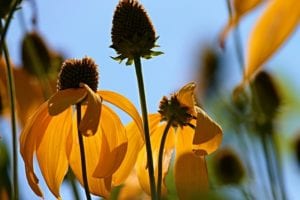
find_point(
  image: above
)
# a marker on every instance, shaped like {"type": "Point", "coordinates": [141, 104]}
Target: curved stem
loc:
{"type": "Point", "coordinates": [82, 154]}
{"type": "Point", "coordinates": [11, 90]}
{"type": "Point", "coordinates": [5, 29]}
{"type": "Point", "coordinates": [160, 157]}
{"type": "Point", "coordinates": [139, 75]}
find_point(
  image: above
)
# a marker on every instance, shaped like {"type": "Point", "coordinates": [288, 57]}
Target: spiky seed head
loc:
{"type": "Point", "coordinates": [172, 109]}
{"type": "Point", "coordinates": [132, 32]}
{"type": "Point", "coordinates": [76, 71]}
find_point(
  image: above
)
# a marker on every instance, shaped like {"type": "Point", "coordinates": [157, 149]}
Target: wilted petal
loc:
{"type": "Point", "coordinates": [186, 95]}
{"type": "Point", "coordinates": [240, 8]}
{"type": "Point", "coordinates": [63, 99]}
{"type": "Point", "coordinates": [51, 151]}
{"type": "Point", "coordinates": [92, 147]}
{"type": "Point", "coordinates": [190, 172]}
{"type": "Point", "coordinates": [276, 24]}
{"type": "Point", "coordinates": [34, 129]}
{"type": "Point", "coordinates": [141, 164]}
{"type": "Point", "coordinates": [135, 143]}
{"type": "Point", "coordinates": [208, 134]}
{"type": "Point", "coordinates": [90, 121]}
{"type": "Point", "coordinates": [124, 104]}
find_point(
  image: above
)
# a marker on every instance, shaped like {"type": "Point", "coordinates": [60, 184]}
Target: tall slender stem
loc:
{"type": "Point", "coordinates": [82, 154]}
{"type": "Point", "coordinates": [160, 157]}
{"type": "Point", "coordinates": [11, 90]}
{"type": "Point", "coordinates": [237, 40]}
{"type": "Point", "coordinates": [278, 167]}
{"type": "Point", "coordinates": [72, 182]}
{"type": "Point", "coordinates": [139, 75]}
{"type": "Point", "coordinates": [269, 164]}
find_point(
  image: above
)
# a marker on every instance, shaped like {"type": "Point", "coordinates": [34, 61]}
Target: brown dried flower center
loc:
{"type": "Point", "coordinates": [76, 71]}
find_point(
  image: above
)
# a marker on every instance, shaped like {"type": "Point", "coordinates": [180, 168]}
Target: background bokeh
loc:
{"type": "Point", "coordinates": [185, 29]}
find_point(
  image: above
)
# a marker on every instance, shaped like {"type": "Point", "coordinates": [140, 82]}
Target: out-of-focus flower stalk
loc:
{"type": "Point", "coordinates": [11, 89]}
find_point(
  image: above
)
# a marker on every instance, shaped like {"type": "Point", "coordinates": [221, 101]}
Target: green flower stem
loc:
{"type": "Point", "coordinates": [9, 18]}
{"type": "Point", "coordinates": [160, 157]}
{"type": "Point", "coordinates": [139, 75]}
{"type": "Point", "coordinates": [269, 163]}
{"type": "Point", "coordinates": [278, 167]}
{"type": "Point", "coordinates": [82, 154]}
{"type": "Point", "coordinates": [72, 182]}
{"type": "Point", "coordinates": [237, 40]}
{"type": "Point", "coordinates": [11, 90]}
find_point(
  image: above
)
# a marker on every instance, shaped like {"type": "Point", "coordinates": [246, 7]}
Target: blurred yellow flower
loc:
{"type": "Point", "coordinates": [273, 28]}
{"type": "Point", "coordinates": [194, 136]}
{"type": "Point", "coordinates": [278, 21]}
{"type": "Point", "coordinates": [239, 9]}
{"type": "Point", "coordinates": [52, 132]}
{"type": "Point", "coordinates": [28, 96]}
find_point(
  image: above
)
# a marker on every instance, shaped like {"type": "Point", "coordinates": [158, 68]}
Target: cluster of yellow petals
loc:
{"type": "Point", "coordinates": [278, 21]}
{"type": "Point", "coordinates": [190, 170]}
{"type": "Point", "coordinates": [51, 133]}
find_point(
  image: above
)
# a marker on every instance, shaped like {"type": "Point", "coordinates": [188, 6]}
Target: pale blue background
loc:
{"type": "Point", "coordinates": [82, 28]}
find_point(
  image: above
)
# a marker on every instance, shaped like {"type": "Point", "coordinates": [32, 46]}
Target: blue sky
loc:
{"type": "Point", "coordinates": [82, 28]}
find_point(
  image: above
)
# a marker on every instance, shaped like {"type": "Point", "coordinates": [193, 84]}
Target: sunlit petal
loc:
{"type": "Point", "coordinates": [208, 134]}
{"type": "Point", "coordinates": [114, 144]}
{"type": "Point", "coordinates": [90, 121]}
{"type": "Point", "coordinates": [125, 105]}
{"type": "Point", "coordinates": [63, 99]}
{"type": "Point", "coordinates": [186, 95]}
{"type": "Point", "coordinates": [51, 151]}
{"type": "Point", "coordinates": [240, 8]}
{"type": "Point", "coordinates": [92, 146]}
{"type": "Point", "coordinates": [276, 24]}
{"type": "Point", "coordinates": [135, 143]}
{"type": "Point", "coordinates": [191, 178]}
{"type": "Point", "coordinates": [34, 128]}
{"type": "Point", "coordinates": [141, 164]}
{"type": "Point", "coordinates": [131, 190]}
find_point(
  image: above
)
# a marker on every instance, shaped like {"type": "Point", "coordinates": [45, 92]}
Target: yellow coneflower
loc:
{"type": "Point", "coordinates": [194, 135]}
{"type": "Point", "coordinates": [51, 133]}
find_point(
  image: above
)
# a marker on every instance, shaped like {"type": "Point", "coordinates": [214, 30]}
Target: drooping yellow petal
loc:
{"type": "Point", "coordinates": [63, 99]}
{"type": "Point", "coordinates": [52, 150]}
{"type": "Point", "coordinates": [114, 144]}
{"type": "Point", "coordinates": [124, 104]}
{"type": "Point", "coordinates": [190, 172]}
{"type": "Point", "coordinates": [191, 178]}
{"type": "Point", "coordinates": [92, 147]}
{"type": "Point", "coordinates": [240, 8]}
{"type": "Point", "coordinates": [208, 134]}
{"type": "Point", "coordinates": [141, 164]}
{"type": "Point", "coordinates": [35, 128]}
{"type": "Point", "coordinates": [276, 24]}
{"type": "Point", "coordinates": [131, 190]}
{"type": "Point", "coordinates": [186, 95]}
{"type": "Point", "coordinates": [135, 143]}
{"type": "Point", "coordinates": [90, 121]}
